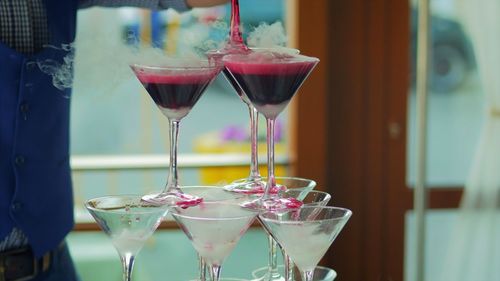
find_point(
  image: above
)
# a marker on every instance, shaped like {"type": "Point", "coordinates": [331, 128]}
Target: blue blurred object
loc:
{"type": "Point", "coordinates": [157, 29]}
{"type": "Point", "coordinates": [131, 26]}
{"type": "Point", "coordinates": [452, 56]}
{"type": "Point", "coordinates": [254, 12]}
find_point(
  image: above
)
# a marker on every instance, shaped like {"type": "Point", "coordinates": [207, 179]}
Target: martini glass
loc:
{"type": "Point", "coordinates": [129, 222]}
{"type": "Point", "coordinates": [308, 198]}
{"type": "Point", "coordinates": [214, 229]}
{"type": "Point", "coordinates": [213, 194]}
{"type": "Point", "coordinates": [175, 88]}
{"type": "Point", "coordinates": [269, 78]}
{"type": "Point", "coordinates": [254, 183]}
{"type": "Point", "coordinates": [301, 185]}
{"type": "Point", "coordinates": [306, 233]}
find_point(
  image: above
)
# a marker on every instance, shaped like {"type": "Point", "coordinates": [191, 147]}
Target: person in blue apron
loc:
{"type": "Point", "coordinates": [36, 200]}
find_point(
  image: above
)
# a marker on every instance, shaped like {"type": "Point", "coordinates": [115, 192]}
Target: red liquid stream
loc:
{"type": "Point", "coordinates": [235, 37]}
{"type": "Point", "coordinates": [235, 44]}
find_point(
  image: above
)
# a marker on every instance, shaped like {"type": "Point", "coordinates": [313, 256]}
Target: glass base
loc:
{"type": "Point", "coordinates": [263, 274]}
{"type": "Point", "coordinates": [273, 203]}
{"type": "Point", "coordinates": [321, 273]}
{"type": "Point", "coordinates": [223, 279]}
{"type": "Point", "coordinates": [246, 186]}
{"type": "Point", "coordinates": [257, 186]}
{"type": "Point", "coordinates": [172, 198]}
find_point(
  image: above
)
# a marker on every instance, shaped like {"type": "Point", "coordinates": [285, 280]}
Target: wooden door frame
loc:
{"type": "Point", "coordinates": [350, 126]}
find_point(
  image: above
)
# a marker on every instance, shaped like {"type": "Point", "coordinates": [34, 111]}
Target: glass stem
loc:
{"type": "Point", "coordinates": [273, 258]}
{"type": "Point", "coordinates": [235, 37]}
{"type": "Point", "coordinates": [203, 268]}
{"type": "Point", "coordinates": [307, 275]}
{"type": "Point", "coordinates": [254, 161]}
{"type": "Point", "coordinates": [215, 272]}
{"type": "Point", "coordinates": [128, 264]}
{"type": "Point", "coordinates": [288, 267]}
{"type": "Point", "coordinates": [271, 181]}
{"type": "Point", "coordinates": [173, 176]}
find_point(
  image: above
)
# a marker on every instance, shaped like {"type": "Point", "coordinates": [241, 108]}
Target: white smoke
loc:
{"type": "Point", "coordinates": [266, 36]}
{"type": "Point", "coordinates": [96, 61]}
{"type": "Point", "coordinates": [61, 72]}
{"type": "Point", "coordinates": [99, 60]}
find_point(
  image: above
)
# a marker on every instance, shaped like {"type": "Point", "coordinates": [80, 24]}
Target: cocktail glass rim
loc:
{"type": "Point", "coordinates": [154, 208]}
{"type": "Point", "coordinates": [173, 207]}
{"type": "Point", "coordinates": [347, 213]}
{"type": "Point", "coordinates": [187, 67]}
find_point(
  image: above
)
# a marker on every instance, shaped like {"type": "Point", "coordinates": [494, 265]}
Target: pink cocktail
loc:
{"type": "Point", "coordinates": [269, 78]}
{"type": "Point", "coordinates": [175, 88]}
